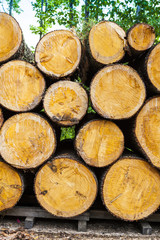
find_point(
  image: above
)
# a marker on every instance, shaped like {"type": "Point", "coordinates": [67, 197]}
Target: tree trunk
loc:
{"type": "Point", "coordinates": [66, 102]}
{"type": "Point", "coordinates": [99, 143]}
{"type": "Point", "coordinates": [58, 53]}
{"type": "Point", "coordinates": [11, 41]}
{"type": "Point", "coordinates": [11, 186]}
{"type": "Point", "coordinates": [140, 37]}
{"type": "Point", "coordinates": [130, 189]}
{"type": "Point", "coordinates": [147, 130]}
{"type": "Point", "coordinates": [106, 43]}
{"type": "Point", "coordinates": [22, 86]}
{"type": "Point", "coordinates": [117, 92]}
{"type": "Point", "coordinates": [27, 140]}
{"type": "Point", "coordinates": [65, 187]}
{"type": "Point", "coordinates": [1, 118]}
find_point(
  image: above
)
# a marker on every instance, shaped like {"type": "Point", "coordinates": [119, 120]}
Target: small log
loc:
{"type": "Point", "coordinates": [117, 92]}
{"type": "Point", "coordinates": [26, 140]}
{"type": "Point", "coordinates": [66, 102]}
{"type": "Point", "coordinates": [1, 118]}
{"type": "Point", "coordinates": [147, 131]}
{"type": "Point", "coordinates": [140, 37]}
{"type": "Point", "coordinates": [11, 41]}
{"type": "Point", "coordinates": [65, 187]}
{"type": "Point", "coordinates": [22, 86]}
{"type": "Point", "coordinates": [99, 143]}
{"type": "Point", "coordinates": [58, 53]}
{"type": "Point", "coordinates": [107, 43]}
{"type": "Point", "coordinates": [130, 189]}
{"type": "Point", "coordinates": [11, 186]}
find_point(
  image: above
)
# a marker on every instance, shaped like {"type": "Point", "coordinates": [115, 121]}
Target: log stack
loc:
{"type": "Point", "coordinates": [38, 98]}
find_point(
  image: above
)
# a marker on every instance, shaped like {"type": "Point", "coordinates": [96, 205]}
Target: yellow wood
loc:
{"type": "Point", "coordinates": [153, 67]}
{"type": "Point", "coordinates": [58, 53]}
{"type": "Point", "coordinates": [10, 36]}
{"type": "Point", "coordinates": [66, 102]}
{"type": "Point", "coordinates": [100, 143]}
{"type": "Point", "coordinates": [131, 189]}
{"type": "Point", "coordinates": [26, 140]}
{"type": "Point", "coordinates": [1, 118]}
{"type": "Point", "coordinates": [141, 37]}
{"type": "Point", "coordinates": [21, 84]}
{"type": "Point", "coordinates": [107, 42]}
{"type": "Point", "coordinates": [11, 187]}
{"type": "Point", "coordinates": [65, 187]}
{"type": "Point", "coordinates": [117, 92]}
{"type": "Point", "coordinates": [147, 130]}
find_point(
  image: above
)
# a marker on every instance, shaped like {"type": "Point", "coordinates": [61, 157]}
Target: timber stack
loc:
{"type": "Point", "coordinates": [55, 88]}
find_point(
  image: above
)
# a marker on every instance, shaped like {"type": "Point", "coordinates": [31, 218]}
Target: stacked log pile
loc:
{"type": "Point", "coordinates": [38, 96]}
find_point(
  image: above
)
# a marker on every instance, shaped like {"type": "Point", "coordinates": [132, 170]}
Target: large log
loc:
{"type": "Point", "coordinates": [130, 189]}
{"type": "Point", "coordinates": [65, 187]}
{"type": "Point", "coordinates": [107, 43]}
{"type": "Point", "coordinates": [151, 68]}
{"type": "Point", "coordinates": [117, 92]}
{"type": "Point", "coordinates": [22, 86]}
{"type": "Point", "coordinates": [140, 37]}
{"type": "Point", "coordinates": [1, 118]}
{"type": "Point", "coordinates": [11, 186]}
{"type": "Point", "coordinates": [58, 53]}
{"type": "Point", "coordinates": [99, 143]}
{"type": "Point", "coordinates": [26, 140]}
{"type": "Point", "coordinates": [12, 44]}
{"type": "Point", "coordinates": [147, 131]}
{"type": "Point", "coordinates": [66, 102]}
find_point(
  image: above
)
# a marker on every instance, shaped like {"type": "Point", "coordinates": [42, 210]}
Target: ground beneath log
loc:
{"type": "Point", "coordinates": [13, 229]}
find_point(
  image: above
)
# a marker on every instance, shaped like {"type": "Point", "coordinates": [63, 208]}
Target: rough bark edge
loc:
{"type": "Point", "coordinates": [74, 157]}
{"type": "Point", "coordinates": [43, 93]}
{"type": "Point", "coordinates": [130, 156]}
{"type": "Point", "coordinates": [22, 182]}
{"type": "Point", "coordinates": [117, 119]}
{"type": "Point", "coordinates": [1, 118]}
{"type": "Point", "coordinates": [93, 120]}
{"type": "Point", "coordinates": [32, 169]}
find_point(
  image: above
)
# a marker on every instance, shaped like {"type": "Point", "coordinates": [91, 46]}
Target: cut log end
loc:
{"type": "Point", "coordinates": [27, 140]}
{"type": "Point", "coordinates": [117, 92]}
{"type": "Point", "coordinates": [153, 67]}
{"type": "Point", "coordinates": [11, 37]}
{"type": "Point", "coordinates": [99, 143]}
{"type": "Point", "coordinates": [141, 37]}
{"type": "Point", "coordinates": [22, 86]}
{"type": "Point", "coordinates": [107, 42]}
{"type": "Point", "coordinates": [66, 103]}
{"type": "Point", "coordinates": [1, 118]}
{"type": "Point", "coordinates": [58, 53]}
{"type": "Point", "coordinates": [65, 187]}
{"type": "Point", "coordinates": [11, 187]}
{"type": "Point", "coordinates": [131, 189]}
{"type": "Point", "coordinates": [147, 130]}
